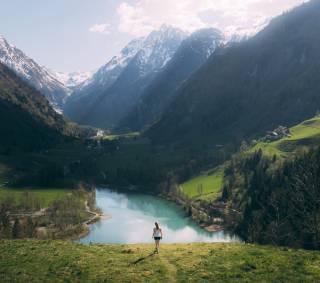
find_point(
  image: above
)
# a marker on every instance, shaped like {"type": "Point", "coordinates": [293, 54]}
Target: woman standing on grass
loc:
{"type": "Point", "coordinates": [157, 235]}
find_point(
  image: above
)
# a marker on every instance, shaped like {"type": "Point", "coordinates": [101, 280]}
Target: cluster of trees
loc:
{"type": "Point", "coordinates": [20, 228]}
{"type": "Point", "coordinates": [28, 201]}
{"type": "Point", "coordinates": [274, 202]}
{"type": "Point", "coordinates": [64, 216]}
{"type": "Point", "coordinates": [69, 211]}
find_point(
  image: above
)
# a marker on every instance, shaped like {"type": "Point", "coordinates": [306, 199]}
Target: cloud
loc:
{"type": "Point", "coordinates": [101, 28]}
{"type": "Point", "coordinates": [147, 15]}
{"type": "Point", "coordinates": [143, 16]}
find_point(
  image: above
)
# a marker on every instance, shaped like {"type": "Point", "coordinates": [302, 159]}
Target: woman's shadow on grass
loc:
{"type": "Point", "coordinates": [142, 258]}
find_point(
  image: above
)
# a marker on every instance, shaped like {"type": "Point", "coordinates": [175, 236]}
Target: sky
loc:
{"type": "Point", "coordinates": [82, 35]}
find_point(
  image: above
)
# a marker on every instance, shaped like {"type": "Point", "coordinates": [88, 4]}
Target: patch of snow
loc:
{"type": "Point", "coordinates": [241, 34]}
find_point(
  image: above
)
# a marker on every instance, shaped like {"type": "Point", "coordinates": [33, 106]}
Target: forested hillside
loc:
{"type": "Point", "coordinates": [275, 203]}
{"type": "Point", "coordinates": [269, 188]}
{"type": "Point", "coordinates": [27, 121]}
{"type": "Point", "coordinates": [250, 87]}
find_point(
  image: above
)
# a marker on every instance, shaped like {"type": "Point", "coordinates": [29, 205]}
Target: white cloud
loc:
{"type": "Point", "coordinates": [143, 16]}
{"type": "Point", "coordinates": [100, 28]}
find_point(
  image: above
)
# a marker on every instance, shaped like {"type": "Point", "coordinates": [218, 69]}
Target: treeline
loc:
{"type": "Point", "coordinates": [148, 167]}
{"type": "Point", "coordinates": [68, 211]}
{"type": "Point", "coordinates": [275, 202]}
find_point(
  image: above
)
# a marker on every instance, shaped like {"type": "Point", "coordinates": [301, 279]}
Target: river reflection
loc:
{"type": "Point", "coordinates": [133, 217]}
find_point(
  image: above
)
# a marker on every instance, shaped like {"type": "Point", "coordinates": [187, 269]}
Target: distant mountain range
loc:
{"type": "Point", "coordinates": [117, 86]}
{"type": "Point", "coordinates": [132, 90]}
{"type": "Point", "coordinates": [249, 87]}
{"type": "Point", "coordinates": [193, 89]}
{"type": "Point", "coordinates": [121, 88]}
{"type": "Point", "coordinates": [78, 105]}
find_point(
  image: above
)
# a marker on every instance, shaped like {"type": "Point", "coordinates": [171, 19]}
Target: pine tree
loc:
{"type": "Point", "coordinates": [30, 227]}
{"type": "Point", "coordinates": [16, 229]}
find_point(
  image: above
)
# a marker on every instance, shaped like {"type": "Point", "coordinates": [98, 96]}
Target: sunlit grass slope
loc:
{"type": "Point", "coordinates": [207, 186]}
{"type": "Point", "coordinates": [303, 135]}
{"type": "Point", "coordinates": [52, 261]}
{"type": "Point", "coordinates": [126, 136]}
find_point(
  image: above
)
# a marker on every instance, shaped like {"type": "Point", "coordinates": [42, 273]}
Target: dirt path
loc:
{"type": "Point", "coordinates": [41, 212]}
{"type": "Point", "coordinates": [171, 274]}
{"type": "Point", "coordinates": [94, 216]}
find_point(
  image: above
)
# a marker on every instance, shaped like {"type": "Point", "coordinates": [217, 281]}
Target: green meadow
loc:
{"type": "Point", "coordinates": [208, 186]}
{"type": "Point", "coordinates": [56, 261]}
{"type": "Point", "coordinates": [46, 196]}
{"type": "Point", "coordinates": [121, 136]}
{"type": "Point", "coordinates": [205, 187]}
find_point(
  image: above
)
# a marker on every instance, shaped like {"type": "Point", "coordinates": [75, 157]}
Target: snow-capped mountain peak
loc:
{"type": "Point", "coordinates": [107, 97]}
{"type": "Point", "coordinates": [109, 72]}
{"type": "Point", "coordinates": [205, 41]}
{"type": "Point", "coordinates": [149, 53]}
{"type": "Point", "coordinates": [126, 54]}
{"type": "Point", "coordinates": [34, 74]}
{"type": "Point", "coordinates": [158, 48]}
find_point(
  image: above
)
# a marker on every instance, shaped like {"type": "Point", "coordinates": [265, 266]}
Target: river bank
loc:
{"type": "Point", "coordinates": [199, 212]}
{"type": "Point", "coordinates": [95, 217]}
{"type": "Point", "coordinates": [47, 213]}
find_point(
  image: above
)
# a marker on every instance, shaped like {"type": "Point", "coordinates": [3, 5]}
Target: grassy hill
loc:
{"type": "Point", "coordinates": [207, 186]}
{"type": "Point", "coordinates": [303, 135]}
{"type": "Point", "coordinates": [53, 261]}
